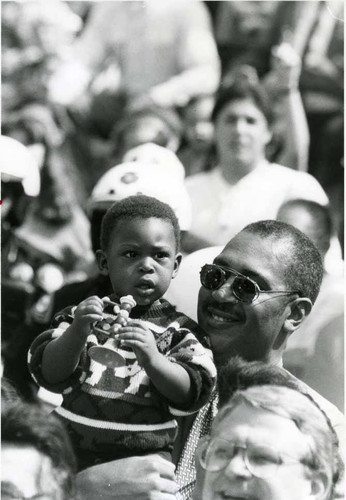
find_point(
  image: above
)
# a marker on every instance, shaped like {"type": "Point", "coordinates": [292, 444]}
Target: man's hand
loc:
{"type": "Point", "coordinates": [86, 313]}
{"type": "Point", "coordinates": [137, 336]}
{"type": "Point", "coordinates": [136, 478]}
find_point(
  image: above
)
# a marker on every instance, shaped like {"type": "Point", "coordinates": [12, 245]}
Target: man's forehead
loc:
{"type": "Point", "coordinates": [247, 242]}
{"type": "Point", "coordinates": [261, 426]}
{"type": "Point", "coordinates": [244, 244]}
{"type": "Point", "coordinates": [253, 254]}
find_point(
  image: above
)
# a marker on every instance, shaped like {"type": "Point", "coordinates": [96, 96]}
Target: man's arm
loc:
{"type": "Point", "coordinates": [135, 478]}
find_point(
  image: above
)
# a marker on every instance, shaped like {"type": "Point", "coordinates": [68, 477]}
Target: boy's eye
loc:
{"type": "Point", "coordinates": [161, 255]}
{"type": "Point", "coordinates": [130, 254]}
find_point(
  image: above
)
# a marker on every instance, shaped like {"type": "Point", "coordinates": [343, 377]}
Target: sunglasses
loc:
{"type": "Point", "coordinates": [243, 288]}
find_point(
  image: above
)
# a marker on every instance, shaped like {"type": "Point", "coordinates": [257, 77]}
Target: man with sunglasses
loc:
{"type": "Point", "coordinates": [258, 292]}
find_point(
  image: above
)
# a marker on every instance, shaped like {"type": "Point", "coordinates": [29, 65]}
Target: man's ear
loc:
{"type": "Point", "coordinates": [102, 262]}
{"type": "Point", "coordinates": [299, 310]}
{"type": "Point", "coordinates": [177, 263]}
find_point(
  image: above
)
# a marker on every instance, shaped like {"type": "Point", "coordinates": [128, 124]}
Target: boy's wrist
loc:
{"type": "Point", "coordinates": [153, 364]}
{"type": "Point", "coordinates": [80, 331]}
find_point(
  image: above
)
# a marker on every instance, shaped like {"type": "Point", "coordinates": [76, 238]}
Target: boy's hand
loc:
{"type": "Point", "coordinates": [86, 313]}
{"type": "Point", "coordinates": [136, 335]}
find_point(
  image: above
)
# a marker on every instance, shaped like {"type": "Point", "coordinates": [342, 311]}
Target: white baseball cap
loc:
{"type": "Point", "coordinates": [137, 177]}
{"type": "Point", "coordinates": [157, 155]}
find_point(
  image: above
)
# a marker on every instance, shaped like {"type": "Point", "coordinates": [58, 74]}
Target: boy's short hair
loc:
{"type": "Point", "coordinates": [137, 207]}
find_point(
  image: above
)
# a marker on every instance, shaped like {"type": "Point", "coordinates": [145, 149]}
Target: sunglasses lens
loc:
{"type": "Point", "coordinates": [244, 289]}
{"type": "Point", "coordinates": [211, 277]}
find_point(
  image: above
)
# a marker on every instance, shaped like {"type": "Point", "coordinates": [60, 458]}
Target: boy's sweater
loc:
{"type": "Point", "coordinates": [119, 412]}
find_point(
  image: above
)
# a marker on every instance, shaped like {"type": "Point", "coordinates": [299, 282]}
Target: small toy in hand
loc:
{"type": "Point", "coordinates": [108, 354]}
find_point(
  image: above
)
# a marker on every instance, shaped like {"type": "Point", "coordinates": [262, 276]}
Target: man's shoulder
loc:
{"type": "Point", "coordinates": [336, 417]}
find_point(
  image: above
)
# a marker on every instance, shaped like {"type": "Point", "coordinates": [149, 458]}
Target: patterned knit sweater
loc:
{"type": "Point", "coordinates": [117, 412]}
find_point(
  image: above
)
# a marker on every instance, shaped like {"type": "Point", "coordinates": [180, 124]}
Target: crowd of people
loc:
{"type": "Point", "coordinates": [172, 250]}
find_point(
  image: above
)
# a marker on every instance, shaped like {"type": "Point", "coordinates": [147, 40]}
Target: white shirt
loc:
{"type": "Point", "coordinates": [220, 210]}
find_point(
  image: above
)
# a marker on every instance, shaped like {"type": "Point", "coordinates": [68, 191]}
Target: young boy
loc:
{"type": "Point", "coordinates": [118, 412]}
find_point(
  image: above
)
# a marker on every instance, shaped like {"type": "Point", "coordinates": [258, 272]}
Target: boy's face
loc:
{"type": "Point", "coordinates": [141, 259]}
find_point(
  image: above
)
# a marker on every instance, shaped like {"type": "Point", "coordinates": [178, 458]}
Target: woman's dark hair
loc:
{"type": "Point", "coordinates": [243, 89]}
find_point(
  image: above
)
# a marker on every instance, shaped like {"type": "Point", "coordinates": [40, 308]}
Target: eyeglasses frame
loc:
{"type": "Point", "coordinates": [207, 440]}
{"type": "Point", "coordinates": [228, 271]}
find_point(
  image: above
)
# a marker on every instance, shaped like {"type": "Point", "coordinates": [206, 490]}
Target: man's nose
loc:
{"type": "Point", "coordinates": [224, 293]}
{"type": "Point", "coordinates": [146, 264]}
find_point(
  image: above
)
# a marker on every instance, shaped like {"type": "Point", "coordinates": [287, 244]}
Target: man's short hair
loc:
{"type": "Point", "coordinates": [302, 263]}
{"type": "Point", "coordinates": [25, 424]}
{"type": "Point", "coordinates": [321, 224]}
{"type": "Point", "coordinates": [307, 416]}
{"type": "Point", "coordinates": [243, 89]}
{"type": "Point", "coordinates": [137, 207]}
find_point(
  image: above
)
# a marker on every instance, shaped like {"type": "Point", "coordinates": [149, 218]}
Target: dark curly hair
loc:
{"type": "Point", "coordinates": [137, 207]}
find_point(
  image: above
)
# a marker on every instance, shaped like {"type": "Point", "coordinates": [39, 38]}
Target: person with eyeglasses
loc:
{"type": "Point", "coordinates": [240, 318]}
{"type": "Point", "coordinates": [268, 443]}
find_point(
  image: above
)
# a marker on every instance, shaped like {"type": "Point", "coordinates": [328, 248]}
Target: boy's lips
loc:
{"type": "Point", "coordinates": [145, 287]}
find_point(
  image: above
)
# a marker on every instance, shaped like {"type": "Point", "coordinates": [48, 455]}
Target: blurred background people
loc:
{"type": "Point", "coordinates": [315, 353]}
{"type": "Point", "coordinates": [36, 454]}
{"type": "Point", "coordinates": [243, 186]}
{"type": "Point", "coordinates": [140, 53]}
{"type": "Point", "coordinates": [150, 124]}
{"type": "Point", "coordinates": [197, 139]}
{"type": "Point", "coordinates": [245, 33]}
